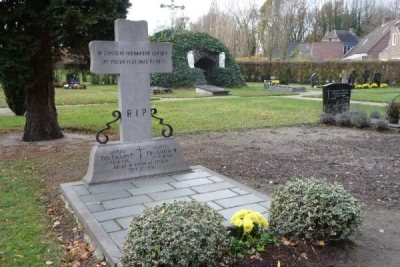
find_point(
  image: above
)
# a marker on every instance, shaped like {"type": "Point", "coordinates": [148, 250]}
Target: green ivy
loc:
{"type": "Point", "coordinates": [182, 76]}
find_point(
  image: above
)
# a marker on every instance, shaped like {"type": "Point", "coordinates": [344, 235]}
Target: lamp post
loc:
{"type": "Point", "coordinates": [172, 8]}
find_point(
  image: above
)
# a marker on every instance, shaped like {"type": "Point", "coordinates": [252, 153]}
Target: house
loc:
{"type": "Point", "coordinates": [392, 51]}
{"type": "Point", "coordinates": [334, 45]}
{"type": "Point", "coordinates": [370, 46]}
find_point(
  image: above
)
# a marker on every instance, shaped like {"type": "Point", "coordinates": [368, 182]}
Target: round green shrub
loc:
{"type": "Point", "coordinates": [327, 118]}
{"type": "Point", "coordinates": [313, 210]}
{"type": "Point", "coordinates": [184, 41]}
{"type": "Point", "coordinates": [375, 114]}
{"type": "Point", "coordinates": [175, 234]}
{"type": "Point", "coordinates": [343, 119]}
{"type": "Point", "coordinates": [381, 125]}
{"type": "Point", "coordinates": [359, 119]}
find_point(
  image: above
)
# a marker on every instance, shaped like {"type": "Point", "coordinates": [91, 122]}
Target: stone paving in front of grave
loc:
{"type": "Point", "coordinates": [105, 211]}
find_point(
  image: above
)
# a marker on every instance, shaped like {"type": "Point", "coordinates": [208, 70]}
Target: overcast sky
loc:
{"type": "Point", "coordinates": [158, 17]}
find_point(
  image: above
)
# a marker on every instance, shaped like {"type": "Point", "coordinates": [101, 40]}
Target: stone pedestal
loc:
{"type": "Point", "coordinates": [121, 161]}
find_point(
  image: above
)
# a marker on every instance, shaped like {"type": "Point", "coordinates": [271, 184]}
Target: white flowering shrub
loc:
{"type": "Point", "coordinates": [175, 234]}
{"type": "Point", "coordinates": [314, 210]}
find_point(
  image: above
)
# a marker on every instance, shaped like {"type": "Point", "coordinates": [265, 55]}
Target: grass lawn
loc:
{"type": "Point", "coordinates": [197, 115]}
{"type": "Point", "coordinates": [384, 95]}
{"type": "Point", "coordinates": [108, 94]}
{"type": "Point", "coordinates": [3, 103]}
{"type": "Point", "coordinates": [25, 235]}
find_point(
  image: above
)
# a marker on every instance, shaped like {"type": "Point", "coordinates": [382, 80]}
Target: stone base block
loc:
{"type": "Point", "coordinates": [121, 161]}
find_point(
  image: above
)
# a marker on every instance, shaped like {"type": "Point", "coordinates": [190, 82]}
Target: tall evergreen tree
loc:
{"type": "Point", "coordinates": [33, 34]}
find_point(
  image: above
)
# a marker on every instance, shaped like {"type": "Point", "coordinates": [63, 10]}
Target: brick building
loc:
{"type": "Point", "coordinates": [370, 46]}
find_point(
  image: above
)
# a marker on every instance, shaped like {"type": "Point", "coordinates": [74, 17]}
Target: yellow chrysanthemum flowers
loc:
{"type": "Point", "coordinates": [248, 219]}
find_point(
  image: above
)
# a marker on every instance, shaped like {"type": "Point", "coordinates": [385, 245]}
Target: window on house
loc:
{"type": "Point", "coordinates": [394, 39]}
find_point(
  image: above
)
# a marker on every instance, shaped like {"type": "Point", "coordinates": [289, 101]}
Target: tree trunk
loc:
{"type": "Point", "coordinates": [41, 114]}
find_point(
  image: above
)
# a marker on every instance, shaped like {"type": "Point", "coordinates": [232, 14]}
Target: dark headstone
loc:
{"type": "Point", "coordinates": [378, 78]}
{"type": "Point", "coordinates": [365, 76]}
{"type": "Point", "coordinates": [353, 77]}
{"type": "Point", "coordinates": [72, 77]}
{"type": "Point", "coordinates": [336, 97]}
{"type": "Point", "coordinates": [314, 80]}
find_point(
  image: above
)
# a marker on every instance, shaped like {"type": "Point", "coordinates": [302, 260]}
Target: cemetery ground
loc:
{"type": "Point", "coordinates": [244, 138]}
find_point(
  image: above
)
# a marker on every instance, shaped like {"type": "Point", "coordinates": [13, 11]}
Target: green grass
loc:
{"type": "Point", "coordinates": [94, 94]}
{"type": "Point", "coordinates": [3, 103]}
{"type": "Point", "coordinates": [25, 235]}
{"type": "Point", "coordinates": [383, 95]}
{"type": "Point", "coordinates": [197, 115]}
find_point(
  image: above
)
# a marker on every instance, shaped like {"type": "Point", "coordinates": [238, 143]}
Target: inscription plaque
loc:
{"type": "Point", "coordinates": [336, 97]}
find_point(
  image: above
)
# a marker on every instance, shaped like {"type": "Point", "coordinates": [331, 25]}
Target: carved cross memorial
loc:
{"type": "Point", "coordinates": [133, 57]}
{"type": "Point", "coordinates": [137, 154]}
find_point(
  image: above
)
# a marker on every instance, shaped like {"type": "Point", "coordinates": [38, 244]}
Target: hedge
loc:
{"type": "Point", "coordinates": [301, 71]}
{"type": "Point", "coordinates": [183, 76]}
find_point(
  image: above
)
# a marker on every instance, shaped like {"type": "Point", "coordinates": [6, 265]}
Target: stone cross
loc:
{"type": "Point", "coordinates": [133, 57]}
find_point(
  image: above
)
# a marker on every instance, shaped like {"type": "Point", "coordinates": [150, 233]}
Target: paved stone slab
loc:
{"type": "Point", "coordinates": [191, 175]}
{"type": "Point", "coordinates": [212, 187]}
{"type": "Point", "coordinates": [193, 182]}
{"type": "Point", "coordinates": [109, 187]}
{"type": "Point", "coordinates": [124, 202]}
{"type": "Point", "coordinates": [105, 196]}
{"type": "Point", "coordinates": [119, 237]}
{"type": "Point", "coordinates": [106, 216]}
{"type": "Point", "coordinates": [125, 222]}
{"type": "Point", "coordinates": [152, 204]}
{"type": "Point", "coordinates": [150, 189]}
{"type": "Point", "coordinates": [81, 190]}
{"type": "Point", "coordinates": [214, 195]}
{"type": "Point", "coordinates": [118, 213]}
{"type": "Point", "coordinates": [110, 226]}
{"type": "Point", "coordinates": [238, 201]}
{"type": "Point", "coordinates": [94, 206]}
{"type": "Point", "coordinates": [172, 194]}
{"type": "Point", "coordinates": [153, 181]}
{"type": "Point", "coordinates": [239, 191]}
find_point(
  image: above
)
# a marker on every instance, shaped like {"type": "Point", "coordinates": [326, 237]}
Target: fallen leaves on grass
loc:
{"type": "Point", "coordinates": [79, 250]}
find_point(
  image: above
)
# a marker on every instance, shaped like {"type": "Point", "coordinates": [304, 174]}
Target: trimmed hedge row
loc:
{"type": "Point", "coordinates": [301, 71]}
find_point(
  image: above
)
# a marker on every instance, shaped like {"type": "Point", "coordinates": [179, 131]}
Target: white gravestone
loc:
{"type": "Point", "coordinates": [133, 57]}
{"type": "Point", "coordinates": [190, 59]}
{"type": "Point", "coordinates": [222, 60]}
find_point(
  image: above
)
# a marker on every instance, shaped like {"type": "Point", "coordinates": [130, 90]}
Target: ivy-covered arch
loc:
{"type": "Point", "coordinates": [206, 50]}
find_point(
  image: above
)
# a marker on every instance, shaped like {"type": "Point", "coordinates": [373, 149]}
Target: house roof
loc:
{"type": "Point", "coordinates": [370, 40]}
{"type": "Point", "coordinates": [343, 36]}
{"type": "Point", "coordinates": [326, 50]}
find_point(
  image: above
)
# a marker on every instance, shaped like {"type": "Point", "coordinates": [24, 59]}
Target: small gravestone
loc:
{"type": "Point", "coordinates": [314, 80]}
{"type": "Point", "coordinates": [365, 76]}
{"type": "Point", "coordinates": [336, 97]}
{"type": "Point", "coordinates": [378, 78]}
{"type": "Point", "coordinates": [345, 77]}
{"type": "Point", "coordinates": [137, 154]}
{"type": "Point", "coordinates": [353, 77]}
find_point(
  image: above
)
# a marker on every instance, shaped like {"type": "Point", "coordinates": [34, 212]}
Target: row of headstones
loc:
{"type": "Point", "coordinates": [350, 78]}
